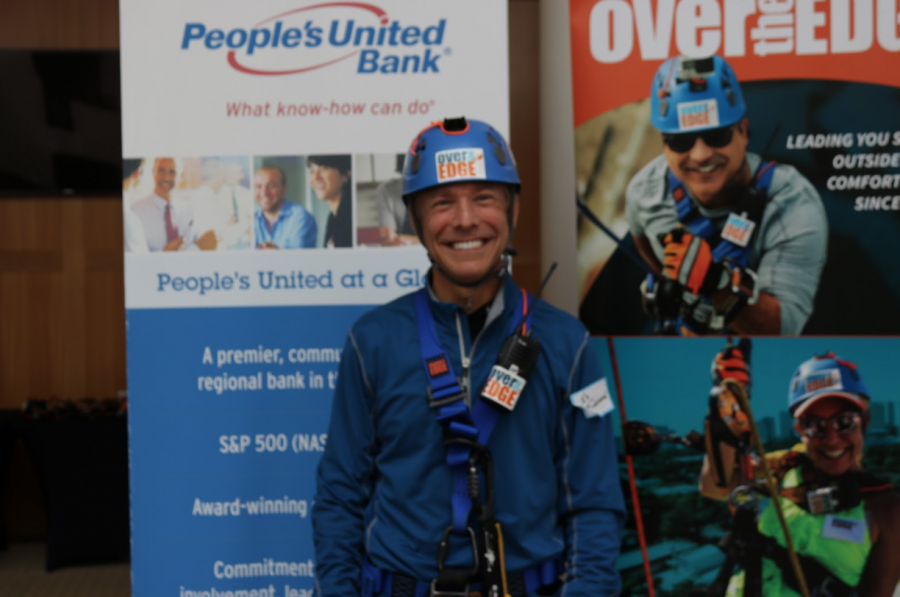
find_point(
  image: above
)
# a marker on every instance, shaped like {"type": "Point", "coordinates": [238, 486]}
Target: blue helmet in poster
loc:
{"type": "Point", "coordinates": [695, 94]}
{"type": "Point", "coordinates": [826, 376]}
{"type": "Point", "coordinates": [457, 150]}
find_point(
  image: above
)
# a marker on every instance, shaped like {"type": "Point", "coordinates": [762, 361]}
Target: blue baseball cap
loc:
{"type": "Point", "coordinates": [826, 376]}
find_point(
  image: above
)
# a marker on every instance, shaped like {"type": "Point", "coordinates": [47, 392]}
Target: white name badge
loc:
{"type": "Point", "coordinates": [503, 387]}
{"type": "Point", "coordinates": [844, 529]}
{"type": "Point", "coordinates": [594, 400]}
{"type": "Point", "coordinates": [738, 229]}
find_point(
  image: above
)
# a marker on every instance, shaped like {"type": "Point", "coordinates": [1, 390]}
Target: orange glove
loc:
{"type": "Point", "coordinates": [688, 260]}
{"type": "Point", "coordinates": [728, 421]}
{"type": "Point", "coordinates": [730, 363]}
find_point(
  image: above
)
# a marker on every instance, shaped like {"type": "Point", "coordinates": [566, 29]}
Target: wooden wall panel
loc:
{"type": "Point", "coordinates": [104, 342]}
{"type": "Point", "coordinates": [29, 359]}
{"type": "Point", "coordinates": [61, 301]}
{"type": "Point", "coordinates": [33, 225]}
{"type": "Point", "coordinates": [72, 310]}
{"type": "Point", "coordinates": [59, 24]}
{"type": "Point", "coordinates": [62, 327]}
{"type": "Point", "coordinates": [62, 317]}
{"type": "Point", "coordinates": [525, 137]}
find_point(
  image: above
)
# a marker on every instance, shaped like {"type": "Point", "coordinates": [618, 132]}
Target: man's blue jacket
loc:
{"type": "Point", "coordinates": [384, 486]}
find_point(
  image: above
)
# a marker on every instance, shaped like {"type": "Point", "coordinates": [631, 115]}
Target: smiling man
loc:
{"type": "Point", "coordinates": [464, 454]}
{"type": "Point", "coordinates": [844, 522]}
{"type": "Point", "coordinates": [278, 223]}
{"type": "Point", "coordinates": [738, 243]}
{"type": "Point", "coordinates": [168, 219]}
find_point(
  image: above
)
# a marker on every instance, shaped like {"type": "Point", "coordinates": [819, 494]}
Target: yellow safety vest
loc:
{"type": "Point", "coordinates": [839, 541]}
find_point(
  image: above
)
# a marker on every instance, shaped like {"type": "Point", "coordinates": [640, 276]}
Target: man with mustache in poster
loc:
{"type": "Point", "coordinates": [737, 243]}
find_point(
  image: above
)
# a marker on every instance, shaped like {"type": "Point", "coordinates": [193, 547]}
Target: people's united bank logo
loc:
{"type": "Point", "coordinates": [318, 35]}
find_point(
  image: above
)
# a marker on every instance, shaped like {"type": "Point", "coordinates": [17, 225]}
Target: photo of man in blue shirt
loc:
{"type": "Point", "coordinates": [279, 224]}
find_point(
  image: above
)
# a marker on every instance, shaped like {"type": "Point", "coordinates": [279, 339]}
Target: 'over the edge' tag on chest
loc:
{"type": "Point", "coordinates": [738, 229]}
{"type": "Point", "coordinates": [503, 387]}
{"type": "Point", "coordinates": [844, 529]}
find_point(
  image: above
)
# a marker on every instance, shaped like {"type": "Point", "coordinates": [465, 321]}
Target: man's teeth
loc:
{"type": "Point", "coordinates": [469, 244]}
{"type": "Point", "coordinates": [834, 453]}
{"type": "Point", "coordinates": [706, 169]}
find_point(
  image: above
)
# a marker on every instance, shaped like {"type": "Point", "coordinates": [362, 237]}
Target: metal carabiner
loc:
{"type": "Point", "coordinates": [442, 555]}
{"type": "Point", "coordinates": [445, 543]}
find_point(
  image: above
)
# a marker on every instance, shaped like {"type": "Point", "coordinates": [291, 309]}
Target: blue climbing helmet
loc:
{"type": "Point", "coordinates": [457, 150]}
{"type": "Point", "coordinates": [695, 94]}
{"type": "Point", "coordinates": [823, 376]}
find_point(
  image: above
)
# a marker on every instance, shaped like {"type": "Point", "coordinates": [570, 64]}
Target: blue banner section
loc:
{"type": "Point", "coordinates": [228, 414]}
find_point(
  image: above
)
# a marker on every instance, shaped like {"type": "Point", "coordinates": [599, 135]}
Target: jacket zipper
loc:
{"type": "Point", "coordinates": [466, 361]}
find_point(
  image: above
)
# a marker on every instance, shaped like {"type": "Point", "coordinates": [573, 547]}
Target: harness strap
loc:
{"type": "Point", "coordinates": [545, 574]}
{"type": "Point", "coordinates": [701, 226]}
{"type": "Point", "coordinates": [376, 581]}
{"type": "Point", "coordinates": [447, 397]}
{"type": "Point", "coordinates": [849, 489]}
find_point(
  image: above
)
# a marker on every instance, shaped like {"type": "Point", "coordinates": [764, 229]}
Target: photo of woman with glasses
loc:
{"type": "Point", "coordinates": [843, 521]}
{"type": "Point", "coordinates": [826, 425]}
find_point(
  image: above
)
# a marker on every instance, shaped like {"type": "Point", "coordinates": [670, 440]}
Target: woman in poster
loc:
{"type": "Point", "coordinates": [330, 179]}
{"type": "Point", "coordinates": [844, 522]}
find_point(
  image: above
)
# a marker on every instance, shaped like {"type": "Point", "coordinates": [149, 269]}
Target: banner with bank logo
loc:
{"type": "Point", "coordinates": [820, 147]}
{"type": "Point", "coordinates": [263, 144]}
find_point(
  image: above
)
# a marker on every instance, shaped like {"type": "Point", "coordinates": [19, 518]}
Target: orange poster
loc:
{"type": "Point", "coordinates": [742, 159]}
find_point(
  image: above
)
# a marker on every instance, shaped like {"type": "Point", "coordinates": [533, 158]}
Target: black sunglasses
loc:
{"type": "Point", "coordinates": [682, 142]}
{"type": "Point", "coordinates": [844, 423]}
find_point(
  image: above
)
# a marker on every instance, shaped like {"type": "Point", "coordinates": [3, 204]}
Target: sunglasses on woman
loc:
{"type": "Point", "coordinates": [844, 423]}
{"type": "Point", "coordinates": [716, 138]}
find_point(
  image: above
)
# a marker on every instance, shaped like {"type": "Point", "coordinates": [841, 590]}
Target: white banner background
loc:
{"type": "Point", "coordinates": [176, 98]}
